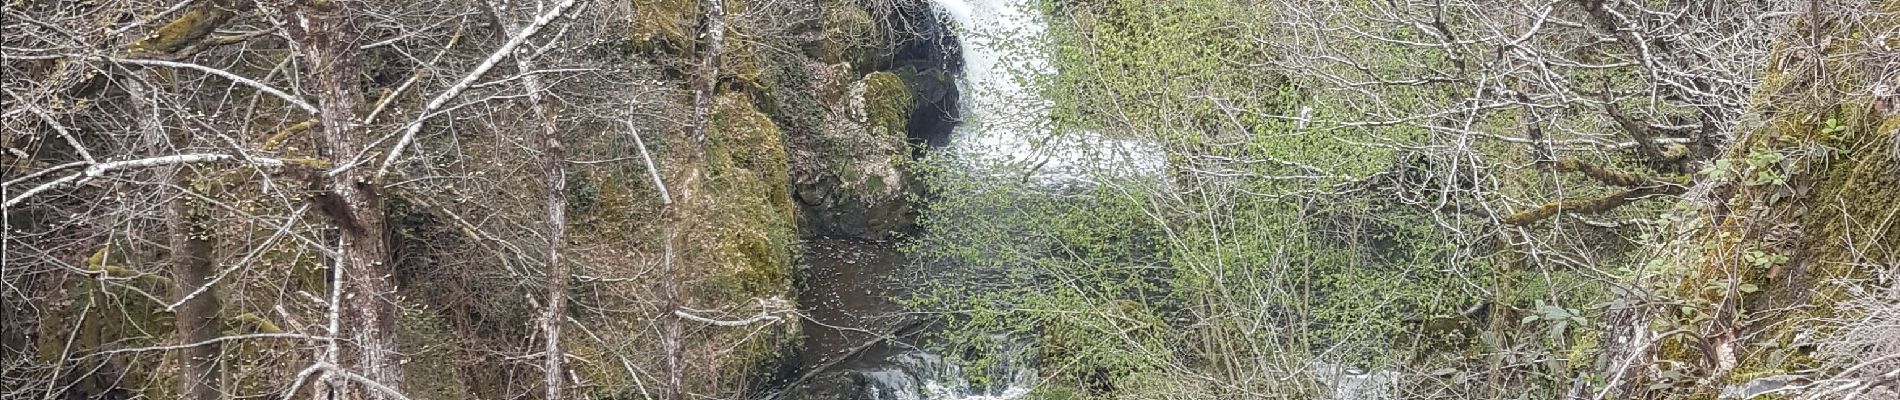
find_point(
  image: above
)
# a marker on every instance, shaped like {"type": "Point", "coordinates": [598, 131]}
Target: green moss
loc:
{"type": "Point", "coordinates": [1833, 170]}
{"type": "Point", "coordinates": [1056, 392]}
{"type": "Point", "coordinates": [742, 64]}
{"type": "Point", "coordinates": [665, 25]}
{"type": "Point", "coordinates": [95, 316]}
{"type": "Point", "coordinates": [606, 377]}
{"type": "Point", "coordinates": [187, 29]}
{"type": "Point", "coordinates": [742, 244]}
{"type": "Point", "coordinates": [749, 142]}
{"type": "Point", "coordinates": [753, 220]}
{"type": "Point", "coordinates": [255, 323]}
{"type": "Point", "coordinates": [887, 102]}
{"type": "Point", "coordinates": [765, 272]}
{"type": "Point", "coordinates": [849, 36]}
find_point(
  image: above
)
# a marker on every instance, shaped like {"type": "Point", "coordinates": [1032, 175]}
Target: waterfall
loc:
{"type": "Point", "coordinates": [1006, 118]}
{"type": "Point", "coordinates": [917, 375]}
{"type": "Point", "coordinates": [1006, 130]}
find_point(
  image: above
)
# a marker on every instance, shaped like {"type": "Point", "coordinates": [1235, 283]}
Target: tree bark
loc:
{"type": "Point", "coordinates": [708, 80]}
{"type": "Point", "coordinates": [197, 316]}
{"type": "Point", "coordinates": [189, 28]}
{"type": "Point", "coordinates": [552, 164]}
{"type": "Point", "coordinates": [322, 33]}
{"type": "Point", "coordinates": [554, 171]}
{"type": "Point", "coordinates": [670, 321]}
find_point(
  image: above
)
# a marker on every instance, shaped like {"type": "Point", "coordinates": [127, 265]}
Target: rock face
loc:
{"type": "Point", "coordinates": [880, 82]}
{"type": "Point", "coordinates": [851, 179]}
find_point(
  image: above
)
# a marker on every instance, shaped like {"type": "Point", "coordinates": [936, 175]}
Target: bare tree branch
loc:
{"type": "Point", "coordinates": [428, 110]}
{"type": "Point", "coordinates": [101, 169]}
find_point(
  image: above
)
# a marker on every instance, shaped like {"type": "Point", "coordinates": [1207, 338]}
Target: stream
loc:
{"type": "Point", "coordinates": [854, 287]}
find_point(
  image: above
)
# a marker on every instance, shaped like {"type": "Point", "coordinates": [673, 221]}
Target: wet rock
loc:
{"type": "Point", "coordinates": [1762, 386]}
{"type": "Point", "coordinates": [852, 180]}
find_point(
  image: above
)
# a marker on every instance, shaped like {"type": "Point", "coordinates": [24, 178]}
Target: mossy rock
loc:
{"type": "Point", "coordinates": [742, 237]}
{"type": "Point", "coordinates": [1835, 164]}
{"type": "Point", "coordinates": [747, 141]}
{"type": "Point", "coordinates": [887, 102]}
{"type": "Point", "coordinates": [741, 64]}
{"type": "Point", "coordinates": [854, 180]}
{"type": "Point", "coordinates": [750, 222]}
{"type": "Point", "coordinates": [851, 36]}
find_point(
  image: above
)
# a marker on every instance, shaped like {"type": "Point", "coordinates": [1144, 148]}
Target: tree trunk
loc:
{"type": "Point", "coordinates": [552, 164]}
{"type": "Point", "coordinates": [670, 321]}
{"type": "Point", "coordinates": [704, 87]}
{"type": "Point", "coordinates": [554, 171]}
{"type": "Point", "coordinates": [197, 312]}
{"type": "Point", "coordinates": [322, 33]}
{"type": "Point", "coordinates": [708, 80]}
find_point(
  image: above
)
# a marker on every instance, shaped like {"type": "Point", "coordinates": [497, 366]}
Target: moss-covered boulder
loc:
{"type": "Point", "coordinates": [744, 234]}
{"type": "Point", "coordinates": [852, 180]}
{"type": "Point", "coordinates": [851, 36]}
{"type": "Point", "coordinates": [741, 222]}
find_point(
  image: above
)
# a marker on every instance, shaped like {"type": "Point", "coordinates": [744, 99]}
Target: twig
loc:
{"type": "Point", "coordinates": [331, 369]}
{"type": "Point", "coordinates": [100, 169]}
{"type": "Point", "coordinates": [652, 171]}
{"type": "Point", "coordinates": [409, 133]}
{"type": "Point", "coordinates": [260, 86]}
{"type": "Point", "coordinates": [209, 342]}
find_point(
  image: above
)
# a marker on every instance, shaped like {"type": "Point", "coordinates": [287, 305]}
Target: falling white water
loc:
{"type": "Point", "coordinates": [918, 375]}
{"type": "Point", "coordinates": [1005, 128]}
{"type": "Point", "coordinates": [1005, 117]}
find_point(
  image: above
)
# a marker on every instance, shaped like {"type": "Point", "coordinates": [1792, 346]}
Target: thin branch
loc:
{"type": "Point", "coordinates": [765, 315]}
{"type": "Point", "coordinates": [98, 170]}
{"type": "Point", "coordinates": [652, 170]}
{"type": "Point", "coordinates": [506, 49]}
{"type": "Point", "coordinates": [209, 342]}
{"type": "Point", "coordinates": [414, 77]}
{"type": "Point", "coordinates": [248, 258]}
{"type": "Point", "coordinates": [1590, 206]}
{"type": "Point", "coordinates": [260, 86]}
{"type": "Point", "coordinates": [331, 369]}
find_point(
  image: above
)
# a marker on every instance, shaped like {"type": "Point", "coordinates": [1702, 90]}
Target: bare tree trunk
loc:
{"type": "Point", "coordinates": [704, 87]}
{"type": "Point", "coordinates": [321, 33]}
{"type": "Point", "coordinates": [552, 164]}
{"type": "Point", "coordinates": [670, 320]}
{"type": "Point", "coordinates": [708, 79]}
{"type": "Point", "coordinates": [189, 231]}
{"type": "Point", "coordinates": [197, 316]}
{"type": "Point", "coordinates": [554, 171]}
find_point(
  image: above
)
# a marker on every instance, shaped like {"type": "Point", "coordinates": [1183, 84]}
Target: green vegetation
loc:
{"type": "Point", "coordinates": [1350, 200]}
{"type": "Point", "coordinates": [1362, 196]}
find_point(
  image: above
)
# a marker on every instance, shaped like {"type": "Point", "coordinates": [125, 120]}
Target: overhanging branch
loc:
{"type": "Point", "coordinates": [1590, 206]}
{"type": "Point", "coordinates": [101, 169]}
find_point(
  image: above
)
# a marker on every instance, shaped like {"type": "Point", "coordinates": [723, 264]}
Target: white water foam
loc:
{"type": "Point", "coordinates": [924, 376]}
{"type": "Point", "coordinates": [1006, 119]}
{"type": "Point", "coordinates": [1006, 128]}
